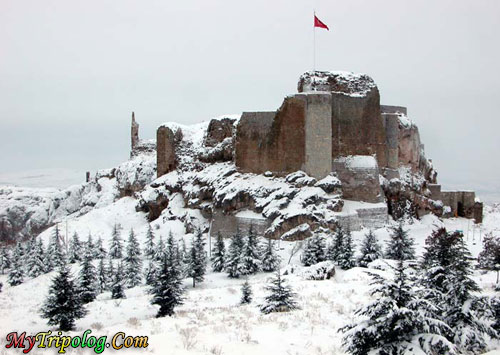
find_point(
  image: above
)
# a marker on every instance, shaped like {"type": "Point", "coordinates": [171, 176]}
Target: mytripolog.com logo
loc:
{"type": "Point", "coordinates": [44, 340]}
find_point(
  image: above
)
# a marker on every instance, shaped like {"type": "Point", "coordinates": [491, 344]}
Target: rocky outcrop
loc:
{"type": "Point", "coordinates": [360, 178]}
{"type": "Point", "coordinates": [219, 129]}
{"type": "Point", "coordinates": [165, 151]}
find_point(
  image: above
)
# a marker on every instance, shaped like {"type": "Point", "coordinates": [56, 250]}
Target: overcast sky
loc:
{"type": "Point", "coordinates": [72, 71]}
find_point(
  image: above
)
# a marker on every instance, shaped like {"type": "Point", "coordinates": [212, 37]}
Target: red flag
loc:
{"type": "Point", "coordinates": [318, 23]}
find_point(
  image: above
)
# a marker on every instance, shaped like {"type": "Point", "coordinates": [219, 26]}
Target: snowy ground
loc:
{"type": "Point", "coordinates": [211, 321]}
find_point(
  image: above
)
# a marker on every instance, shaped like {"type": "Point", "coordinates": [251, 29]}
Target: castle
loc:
{"type": "Point", "coordinates": [334, 125]}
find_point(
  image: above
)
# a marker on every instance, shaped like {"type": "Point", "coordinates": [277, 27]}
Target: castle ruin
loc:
{"type": "Point", "coordinates": [334, 125]}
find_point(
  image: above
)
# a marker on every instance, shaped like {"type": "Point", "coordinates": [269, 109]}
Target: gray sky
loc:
{"type": "Point", "coordinates": [72, 71]}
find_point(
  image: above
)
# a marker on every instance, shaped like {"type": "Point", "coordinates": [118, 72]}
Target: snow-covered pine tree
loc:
{"type": "Point", "coordinates": [218, 254]}
{"type": "Point", "coordinates": [314, 251]}
{"type": "Point", "coordinates": [234, 259]}
{"type": "Point", "coordinates": [251, 253]}
{"type": "Point", "coordinates": [346, 255]}
{"type": "Point", "coordinates": [171, 249]}
{"type": "Point", "coordinates": [5, 260]}
{"type": "Point", "coordinates": [19, 254]}
{"type": "Point", "coordinates": [495, 307]}
{"type": "Point", "coordinates": [100, 250]}
{"type": "Point", "coordinates": [446, 274]}
{"type": "Point", "coordinates": [117, 291]}
{"type": "Point", "coordinates": [63, 306]}
{"type": "Point", "coordinates": [115, 246]}
{"type": "Point", "coordinates": [335, 247]}
{"type": "Point", "coordinates": [281, 298]}
{"type": "Point", "coordinates": [149, 248]}
{"type": "Point", "coordinates": [133, 262]}
{"type": "Point", "coordinates": [370, 249]}
{"type": "Point", "coordinates": [270, 260]}
{"type": "Point", "coordinates": [150, 274]}
{"type": "Point", "coordinates": [54, 257]}
{"type": "Point", "coordinates": [110, 272]}
{"type": "Point", "coordinates": [196, 264]}
{"type": "Point", "coordinates": [75, 249]}
{"type": "Point", "coordinates": [36, 262]}
{"type": "Point", "coordinates": [102, 276]}
{"type": "Point", "coordinates": [16, 274]}
{"type": "Point", "coordinates": [246, 293]}
{"type": "Point", "coordinates": [89, 248]}
{"type": "Point", "coordinates": [398, 321]}
{"type": "Point", "coordinates": [87, 280]}
{"type": "Point", "coordinates": [400, 246]}
{"type": "Point", "coordinates": [465, 312]}
{"type": "Point", "coordinates": [160, 250]}
{"type": "Point", "coordinates": [489, 258]}
{"type": "Point", "coordinates": [167, 290]}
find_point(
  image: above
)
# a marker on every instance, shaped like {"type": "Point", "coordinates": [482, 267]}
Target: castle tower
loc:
{"type": "Point", "coordinates": [134, 132]}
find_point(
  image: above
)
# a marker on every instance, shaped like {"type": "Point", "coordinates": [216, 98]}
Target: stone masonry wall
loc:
{"type": "Point", "coordinates": [357, 127]}
{"type": "Point", "coordinates": [318, 162]}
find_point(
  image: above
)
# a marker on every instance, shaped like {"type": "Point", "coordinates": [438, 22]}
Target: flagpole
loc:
{"type": "Point", "coordinates": [314, 48]}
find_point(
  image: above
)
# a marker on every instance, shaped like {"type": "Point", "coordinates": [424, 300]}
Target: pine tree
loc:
{"type": "Point", "coordinates": [246, 293]}
{"type": "Point", "coordinates": [1, 285]}
{"type": "Point", "coordinates": [115, 247]}
{"type": "Point", "coordinates": [89, 248]}
{"type": "Point", "coordinates": [63, 306]}
{"type": "Point", "coordinates": [75, 249]}
{"type": "Point", "coordinates": [196, 263]}
{"type": "Point", "coordinates": [489, 258]}
{"type": "Point", "coordinates": [5, 260]}
{"type": "Point", "coordinates": [16, 274]}
{"type": "Point", "coordinates": [495, 307]}
{"type": "Point", "coordinates": [398, 321]}
{"type": "Point", "coordinates": [133, 262]}
{"type": "Point", "coordinates": [167, 290]}
{"type": "Point", "coordinates": [160, 250]}
{"type": "Point", "coordinates": [281, 298]}
{"type": "Point", "coordinates": [218, 254]}
{"type": "Point", "coordinates": [150, 274]}
{"type": "Point", "coordinates": [149, 249]}
{"type": "Point", "coordinates": [171, 249]}
{"type": "Point", "coordinates": [36, 264]}
{"type": "Point", "coordinates": [270, 260]}
{"type": "Point", "coordinates": [346, 255]}
{"type": "Point", "coordinates": [446, 271]}
{"type": "Point", "coordinates": [335, 248]}
{"type": "Point", "coordinates": [54, 257]}
{"type": "Point", "coordinates": [234, 260]}
{"type": "Point", "coordinates": [110, 272]}
{"type": "Point", "coordinates": [251, 254]}
{"type": "Point", "coordinates": [464, 311]}
{"type": "Point", "coordinates": [117, 291]}
{"type": "Point", "coordinates": [401, 245]}
{"type": "Point", "coordinates": [314, 251]}
{"type": "Point", "coordinates": [87, 281]}
{"type": "Point", "coordinates": [370, 249]}
{"type": "Point", "coordinates": [102, 276]}
{"type": "Point", "coordinates": [100, 250]}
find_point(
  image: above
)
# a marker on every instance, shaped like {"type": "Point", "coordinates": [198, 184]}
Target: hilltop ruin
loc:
{"type": "Point", "coordinates": [334, 126]}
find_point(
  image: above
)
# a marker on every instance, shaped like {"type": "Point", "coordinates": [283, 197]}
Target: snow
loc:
{"type": "Point", "coordinates": [352, 84]}
{"type": "Point", "coordinates": [212, 308]}
{"type": "Point", "coordinates": [361, 162]}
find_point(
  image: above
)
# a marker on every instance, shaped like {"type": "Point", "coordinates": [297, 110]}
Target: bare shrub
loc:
{"type": "Point", "coordinates": [134, 322]}
{"type": "Point", "coordinates": [188, 337]}
{"type": "Point", "coordinates": [97, 326]}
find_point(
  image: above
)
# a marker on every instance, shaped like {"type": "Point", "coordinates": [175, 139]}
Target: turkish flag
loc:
{"type": "Point", "coordinates": [318, 23]}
